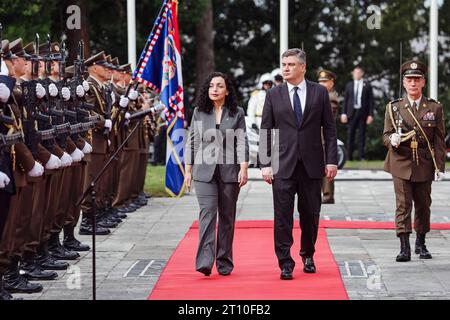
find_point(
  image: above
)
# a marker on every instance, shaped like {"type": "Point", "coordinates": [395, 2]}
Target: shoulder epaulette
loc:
{"type": "Point", "coordinates": [395, 100]}
{"type": "Point", "coordinates": [432, 100]}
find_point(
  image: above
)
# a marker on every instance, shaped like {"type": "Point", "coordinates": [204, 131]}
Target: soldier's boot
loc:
{"type": "Point", "coordinates": [405, 248]}
{"type": "Point", "coordinates": [32, 270]}
{"type": "Point", "coordinates": [71, 243]}
{"type": "Point", "coordinates": [57, 250]}
{"type": "Point", "coordinates": [47, 262]}
{"type": "Point", "coordinates": [421, 248]}
{"type": "Point", "coordinates": [112, 215]}
{"type": "Point", "coordinates": [4, 295]}
{"type": "Point", "coordinates": [15, 283]}
{"type": "Point", "coordinates": [118, 214]}
{"type": "Point", "coordinates": [86, 227]}
{"type": "Point", "coordinates": [145, 194]}
{"type": "Point", "coordinates": [104, 222]}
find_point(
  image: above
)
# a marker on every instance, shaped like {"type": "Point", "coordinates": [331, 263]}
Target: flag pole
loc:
{"type": "Point", "coordinates": [284, 24]}
{"type": "Point", "coordinates": [131, 27]}
{"type": "Point", "coordinates": [148, 42]}
{"type": "Point", "coordinates": [433, 49]}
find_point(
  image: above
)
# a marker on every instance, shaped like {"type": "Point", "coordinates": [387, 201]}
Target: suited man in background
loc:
{"type": "Point", "coordinates": [357, 111]}
{"type": "Point", "coordinates": [298, 110]}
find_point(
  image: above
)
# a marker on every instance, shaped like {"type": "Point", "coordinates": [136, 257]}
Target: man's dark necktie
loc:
{"type": "Point", "coordinates": [297, 106]}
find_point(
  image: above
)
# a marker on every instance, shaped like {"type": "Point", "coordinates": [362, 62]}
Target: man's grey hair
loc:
{"type": "Point", "coordinates": [299, 53]}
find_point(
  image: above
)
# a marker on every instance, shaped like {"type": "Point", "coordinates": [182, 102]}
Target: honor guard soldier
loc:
{"type": "Point", "coordinates": [328, 79]}
{"type": "Point", "coordinates": [414, 136]}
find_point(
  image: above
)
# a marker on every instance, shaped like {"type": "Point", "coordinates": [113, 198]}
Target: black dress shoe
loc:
{"type": "Point", "coordinates": [225, 273]}
{"type": "Point", "coordinates": [205, 271]}
{"type": "Point", "coordinates": [286, 273]}
{"type": "Point", "coordinates": [308, 265]}
{"type": "Point", "coordinates": [33, 271]}
{"type": "Point", "coordinates": [328, 201]}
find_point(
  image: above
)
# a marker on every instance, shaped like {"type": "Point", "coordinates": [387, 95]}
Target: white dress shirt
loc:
{"type": "Point", "coordinates": [301, 92]}
{"type": "Point", "coordinates": [411, 101]}
{"type": "Point", "coordinates": [358, 86]}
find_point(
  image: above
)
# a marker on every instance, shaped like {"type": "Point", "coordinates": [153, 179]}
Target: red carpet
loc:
{"type": "Point", "coordinates": [256, 273]}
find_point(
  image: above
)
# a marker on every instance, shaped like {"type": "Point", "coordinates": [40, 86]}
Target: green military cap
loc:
{"type": "Point", "coordinates": [69, 72]}
{"type": "Point", "coordinates": [16, 48]}
{"type": "Point", "coordinates": [115, 63]}
{"type": "Point", "coordinates": [126, 68]}
{"type": "Point", "coordinates": [96, 59]}
{"type": "Point", "coordinates": [325, 75]}
{"type": "Point", "coordinates": [413, 69]}
{"type": "Point", "coordinates": [7, 53]}
{"type": "Point", "coordinates": [110, 64]}
{"type": "Point", "coordinates": [29, 48]}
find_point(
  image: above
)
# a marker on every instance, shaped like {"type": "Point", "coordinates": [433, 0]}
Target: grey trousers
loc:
{"type": "Point", "coordinates": [216, 197]}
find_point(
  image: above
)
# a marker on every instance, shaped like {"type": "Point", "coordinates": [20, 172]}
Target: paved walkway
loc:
{"type": "Point", "coordinates": [130, 259]}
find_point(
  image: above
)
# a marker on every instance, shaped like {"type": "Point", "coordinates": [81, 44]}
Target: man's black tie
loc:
{"type": "Point", "coordinates": [297, 106]}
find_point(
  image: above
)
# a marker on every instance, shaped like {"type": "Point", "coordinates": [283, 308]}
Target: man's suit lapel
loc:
{"type": "Point", "coordinates": [287, 103]}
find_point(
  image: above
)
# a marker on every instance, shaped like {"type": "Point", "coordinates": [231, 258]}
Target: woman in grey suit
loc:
{"type": "Point", "coordinates": [217, 160]}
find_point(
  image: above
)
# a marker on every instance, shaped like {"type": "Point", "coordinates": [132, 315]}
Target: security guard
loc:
{"type": "Point", "coordinates": [414, 136]}
{"type": "Point", "coordinates": [328, 79]}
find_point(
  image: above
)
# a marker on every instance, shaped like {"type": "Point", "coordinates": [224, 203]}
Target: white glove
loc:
{"type": "Point", "coordinates": [133, 94]}
{"type": "Point", "coordinates": [439, 176]}
{"type": "Point", "coordinates": [53, 163]}
{"type": "Point", "coordinates": [65, 92]}
{"type": "Point", "coordinates": [85, 86]}
{"type": "Point", "coordinates": [395, 139]}
{"type": "Point", "coordinates": [52, 90]}
{"type": "Point", "coordinates": [40, 91]}
{"type": "Point", "coordinates": [127, 115]}
{"type": "Point", "coordinates": [37, 171]}
{"type": "Point", "coordinates": [4, 93]}
{"type": "Point", "coordinates": [4, 180]}
{"type": "Point", "coordinates": [66, 160]}
{"type": "Point", "coordinates": [77, 155]}
{"type": "Point", "coordinates": [87, 148]}
{"type": "Point", "coordinates": [108, 124]}
{"type": "Point", "coordinates": [80, 91]}
{"type": "Point", "coordinates": [123, 101]}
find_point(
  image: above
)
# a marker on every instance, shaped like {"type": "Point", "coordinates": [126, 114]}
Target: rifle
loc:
{"type": "Point", "coordinates": [79, 115]}
{"type": "Point", "coordinates": [33, 136]}
{"type": "Point", "coordinates": [108, 101]}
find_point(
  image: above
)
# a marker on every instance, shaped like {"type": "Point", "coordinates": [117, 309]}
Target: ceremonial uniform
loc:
{"type": "Point", "coordinates": [328, 186]}
{"type": "Point", "coordinates": [415, 161]}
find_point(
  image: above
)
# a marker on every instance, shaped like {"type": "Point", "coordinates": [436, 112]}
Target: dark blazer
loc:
{"type": "Point", "coordinates": [206, 147]}
{"type": "Point", "coordinates": [299, 142]}
{"type": "Point", "coordinates": [366, 99]}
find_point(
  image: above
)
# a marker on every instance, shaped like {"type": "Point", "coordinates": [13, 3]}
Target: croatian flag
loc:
{"type": "Point", "coordinates": [159, 68]}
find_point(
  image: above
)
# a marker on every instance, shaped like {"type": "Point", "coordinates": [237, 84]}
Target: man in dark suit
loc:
{"type": "Point", "coordinates": [357, 111]}
{"type": "Point", "coordinates": [296, 164]}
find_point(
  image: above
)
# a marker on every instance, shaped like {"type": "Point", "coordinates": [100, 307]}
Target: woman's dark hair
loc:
{"type": "Point", "coordinates": [205, 104]}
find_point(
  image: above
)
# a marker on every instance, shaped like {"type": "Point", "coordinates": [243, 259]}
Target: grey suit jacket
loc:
{"type": "Point", "coordinates": [207, 147]}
